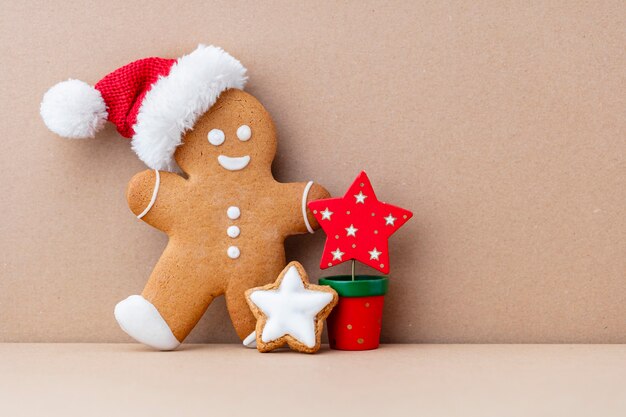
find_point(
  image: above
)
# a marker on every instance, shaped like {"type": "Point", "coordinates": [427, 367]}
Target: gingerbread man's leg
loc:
{"type": "Point", "coordinates": [172, 302]}
{"type": "Point", "coordinates": [242, 318]}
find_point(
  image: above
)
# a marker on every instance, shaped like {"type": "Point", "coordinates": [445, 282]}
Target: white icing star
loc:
{"type": "Point", "coordinates": [360, 198]}
{"type": "Point", "coordinates": [337, 255]}
{"type": "Point", "coordinates": [374, 254]}
{"type": "Point", "coordinates": [290, 309]}
{"type": "Point", "coordinates": [326, 214]}
{"type": "Point", "coordinates": [389, 220]}
{"type": "Point", "coordinates": [351, 231]}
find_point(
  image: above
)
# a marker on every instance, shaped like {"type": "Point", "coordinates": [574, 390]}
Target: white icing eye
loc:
{"type": "Point", "coordinates": [216, 137]}
{"type": "Point", "coordinates": [244, 133]}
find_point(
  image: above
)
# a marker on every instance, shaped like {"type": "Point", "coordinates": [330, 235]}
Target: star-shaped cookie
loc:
{"type": "Point", "coordinates": [291, 311]}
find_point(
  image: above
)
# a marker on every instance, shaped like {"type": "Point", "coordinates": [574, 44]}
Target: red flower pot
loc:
{"type": "Point", "coordinates": [356, 320]}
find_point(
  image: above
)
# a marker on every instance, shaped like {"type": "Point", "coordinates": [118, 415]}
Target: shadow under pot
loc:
{"type": "Point", "coordinates": [356, 320]}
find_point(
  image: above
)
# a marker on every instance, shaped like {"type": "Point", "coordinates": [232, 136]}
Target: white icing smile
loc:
{"type": "Point", "coordinates": [233, 164]}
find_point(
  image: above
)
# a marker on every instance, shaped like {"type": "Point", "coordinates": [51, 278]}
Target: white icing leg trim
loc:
{"type": "Point", "coordinates": [250, 341]}
{"type": "Point", "coordinates": [142, 321]}
{"type": "Point", "coordinates": [305, 195]}
{"type": "Point", "coordinates": [154, 194]}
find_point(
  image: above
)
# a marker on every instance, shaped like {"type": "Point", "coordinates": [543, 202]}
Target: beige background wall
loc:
{"type": "Point", "coordinates": [501, 126]}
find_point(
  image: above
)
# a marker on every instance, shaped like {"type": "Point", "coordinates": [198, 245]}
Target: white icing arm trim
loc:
{"type": "Point", "coordinates": [305, 195]}
{"type": "Point", "coordinates": [154, 195]}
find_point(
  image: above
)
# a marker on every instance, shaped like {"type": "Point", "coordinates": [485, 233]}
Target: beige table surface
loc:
{"type": "Point", "coordinates": [395, 380]}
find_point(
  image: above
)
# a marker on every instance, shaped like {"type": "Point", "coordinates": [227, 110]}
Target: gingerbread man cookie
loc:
{"type": "Point", "coordinates": [227, 221]}
{"type": "Point", "coordinates": [226, 216]}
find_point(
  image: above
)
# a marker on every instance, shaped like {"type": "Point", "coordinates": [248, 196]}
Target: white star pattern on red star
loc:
{"type": "Point", "coordinates": [351, 231]}
{"type": "Point", "coordinates": [326, 214]}
{"type": "Point", "coordinates": [360, 197]}
{"type": "Point", "coordinates": [374, 254]}
{"type": "Point", "coordinates": [337, 254]}
{"type": "Point", "coordinates": [389, 220]}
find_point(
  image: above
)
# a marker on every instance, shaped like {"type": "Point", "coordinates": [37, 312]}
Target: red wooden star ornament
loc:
{"type": "Point", "coordinates": [357, 226]}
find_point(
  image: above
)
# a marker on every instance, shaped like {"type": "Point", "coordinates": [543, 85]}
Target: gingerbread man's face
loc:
{"type": "Point", "coordinates": [235, 138]}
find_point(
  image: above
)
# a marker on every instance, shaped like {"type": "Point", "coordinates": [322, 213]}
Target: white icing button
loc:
{"type": "Point", "coordinates": [233, 212]}
{"type": "Point", "coordinates": [233, 252]}
{"type": "Point", "coordinates": [216, 137]}
{"type": "Point", "coordinates": [233, 231]}
{"type": "Point", "coordinates": [244, 133]}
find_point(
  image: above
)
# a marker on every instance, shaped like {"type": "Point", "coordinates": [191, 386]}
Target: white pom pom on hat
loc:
{"type": "Point", "coordinates": [152, 101]}
{"type": "Point", "coordinates": [74, 109]}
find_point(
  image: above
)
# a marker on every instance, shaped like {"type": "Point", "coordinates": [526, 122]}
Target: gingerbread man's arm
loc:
{"type": "Point", "coordinates": [297, 195]}
{"type": "Point", "coordinates": [150, 197]}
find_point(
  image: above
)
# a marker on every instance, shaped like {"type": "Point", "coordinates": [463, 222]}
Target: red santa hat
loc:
{"type": "Point", "coordinates": [152, 101]}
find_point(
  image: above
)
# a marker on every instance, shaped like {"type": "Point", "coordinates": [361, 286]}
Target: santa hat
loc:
{"type": "Point", "coordinates": [153, 101]}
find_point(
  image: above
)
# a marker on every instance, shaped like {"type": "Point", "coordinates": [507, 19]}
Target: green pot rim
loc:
{"type": "Point", "coordinates": [362, 286]}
